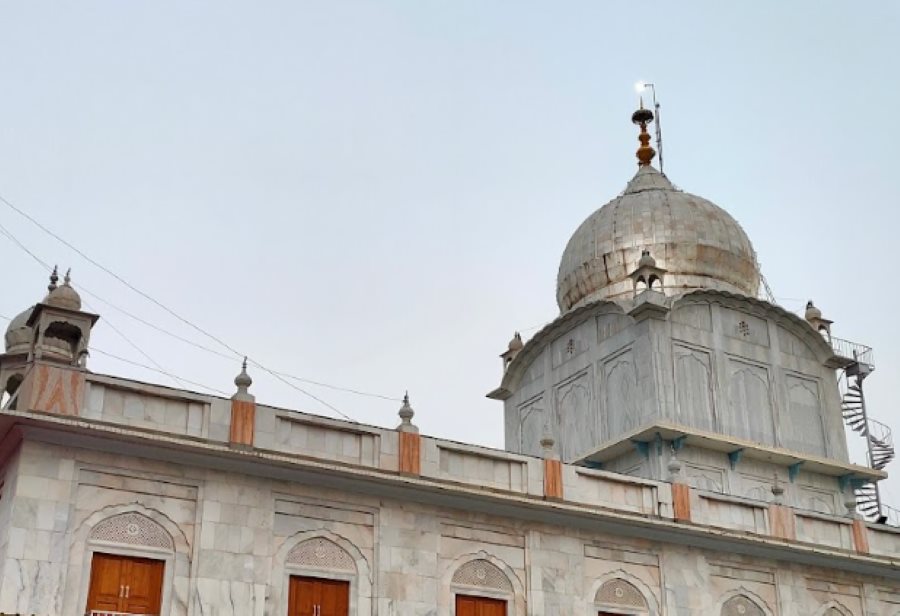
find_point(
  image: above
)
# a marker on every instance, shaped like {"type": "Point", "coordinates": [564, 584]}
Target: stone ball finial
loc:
{"type": "Point", "coordinates": [406, 414]}
{"type": "Point", "coordinates": [243, 380]}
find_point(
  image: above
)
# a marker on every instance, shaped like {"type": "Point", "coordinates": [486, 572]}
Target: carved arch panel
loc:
{"type": "Point", "coordinates": [483, 574]}
{"type": "Point", "coordinates": [132, 528]}
{"type": "Point", "coordinates": [321, 553]}
{"type": "Point", "coordinates": [620, 594]}
{"type": "Point", "coordinates": [741, 605]}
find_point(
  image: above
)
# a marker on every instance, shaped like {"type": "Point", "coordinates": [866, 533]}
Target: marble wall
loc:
{"type": "Point", "coordinates": [230, 542]}
{"type": "Point", "coordinates": [718, 364]}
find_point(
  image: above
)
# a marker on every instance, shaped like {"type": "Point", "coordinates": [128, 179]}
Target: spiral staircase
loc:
{"type": "Point", "coordinates": [879, 440]}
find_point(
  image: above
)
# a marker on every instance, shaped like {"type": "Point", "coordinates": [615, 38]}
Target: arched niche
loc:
{"type": "Point", "coordinates": [131, 531]}
{"type": "Point", "coordinates": [833, 608]}
{"type": "Point", "coordinates": [620, 595]}
{"type": "Point", "coordinates": [620, 592]}
{"type": "Point", "coordinates": [744, 603]}
{"type": "Point", "coordinates": [482, 575]}
{"type": "Point", "coordinates": [322, 554]}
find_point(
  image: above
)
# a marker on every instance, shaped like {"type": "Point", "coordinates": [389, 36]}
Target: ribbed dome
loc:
{"type": "Point", "coordinates": [699, 244]}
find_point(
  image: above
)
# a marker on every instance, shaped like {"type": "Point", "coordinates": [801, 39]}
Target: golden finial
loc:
{"type": "Point", "coordinates": [642, 117]}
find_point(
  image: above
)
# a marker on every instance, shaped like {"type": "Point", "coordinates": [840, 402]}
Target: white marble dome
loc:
{"type": "Point", "coordinates": [698, 244]}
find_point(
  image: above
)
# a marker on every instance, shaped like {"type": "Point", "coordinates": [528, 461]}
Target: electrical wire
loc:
{"type": "Point", "coordinates": [279, 376]}
{"type": "Point", "coordinates": [152, 369]}
{"type": "Point", "coordinates": [229, 356]}
{"type": "Point", "coordinates": [145, 366]}
{"type": "Point", "coordinates": [6, 232]}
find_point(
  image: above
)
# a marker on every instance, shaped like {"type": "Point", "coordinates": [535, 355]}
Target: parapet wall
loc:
{"type": "Point", "coordinates": [155, 413]}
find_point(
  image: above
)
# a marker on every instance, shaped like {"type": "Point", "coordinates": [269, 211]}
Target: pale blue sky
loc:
{"type": "Point", "coordinates": [377, 194]}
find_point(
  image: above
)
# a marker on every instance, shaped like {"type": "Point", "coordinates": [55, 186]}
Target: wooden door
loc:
{"type": "Point", "coordinates": [143, 586]}
{"type": "Point", "coordinates": [335, 598]}
{"type": "Point", "coordinates": [105, 590]}
{"type": "Point", "coordinates": [302, 597]}
{"type": "Point", "coordinates": [318, 597]}
{"type": "Point", "coordinates": [479, 606]}
{"type": "Point", "coordinates": [125, 584]}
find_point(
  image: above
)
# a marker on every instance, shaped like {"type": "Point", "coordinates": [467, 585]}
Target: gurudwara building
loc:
{"type": "Point", "coordinates": [674, 446]}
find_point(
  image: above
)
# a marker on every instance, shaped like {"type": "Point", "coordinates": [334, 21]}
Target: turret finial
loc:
{"type": "Point", "coordinates": [54, 278]}
{"type": "Point", "coordinates": [68, 277]}
{"type": "Point", "coordinates": [642, 117]}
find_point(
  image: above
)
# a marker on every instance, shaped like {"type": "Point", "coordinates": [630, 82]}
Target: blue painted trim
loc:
{"type": "Point", "coordinates": [844, 482]}
{"type": "Point", "coordinates": [642, 447]}
{"type": "Point", "coordinates": [734, 457]}
{"type": "Point", "coordinates": [794, 470]}
{"type": "Point", "coordinates": [678, 442]}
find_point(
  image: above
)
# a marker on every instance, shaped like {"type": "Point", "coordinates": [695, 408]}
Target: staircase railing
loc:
{"type": "Point", "coordinates": [879, 440]}
{"type": "Point", "coordinates": [853, 350]}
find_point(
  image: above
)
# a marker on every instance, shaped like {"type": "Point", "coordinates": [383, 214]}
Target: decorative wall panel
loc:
{"type": "Point", "coordinates": [620, 384]}
{"type": "Point", "coordinates": [693, 388]}
{"type": "Point", "coordinates": [694, 315]}
{"type": "Point", "coordinates": [576, 416]}
{"type": "Point", "coordinates": [745, 327]}
{"type": "Point", "coordinates": [803, 430]}
{"type": "Point", "coordinates": [749, 412]}
{"type": "Point", "coordinates": [534, 423]}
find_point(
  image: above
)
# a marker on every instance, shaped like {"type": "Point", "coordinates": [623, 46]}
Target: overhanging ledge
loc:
{"type": "Point", "coordinates": [726, 444]}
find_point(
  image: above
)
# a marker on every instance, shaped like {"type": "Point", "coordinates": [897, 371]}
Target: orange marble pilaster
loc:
{"type": "Point", "coordinates": [681, 502]}
{"type": "Point", "coordinates": [782, 523]}
{"type": "Point", "coordinates": [243, 419]}
{"type": "Point", "coordinates": [410, 453]}
{"type": "Point", "coordinates": [860, 536]}
{"type": "Point", "coordinates": [553, 482]}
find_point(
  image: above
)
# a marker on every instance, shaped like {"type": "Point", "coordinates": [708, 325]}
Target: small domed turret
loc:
{"type": "Point", "coordinates": [516, 344]}
{"type": "Point", "coordinates": [646, 260]}
{"type": "Point", "coordinates": [812, 312]}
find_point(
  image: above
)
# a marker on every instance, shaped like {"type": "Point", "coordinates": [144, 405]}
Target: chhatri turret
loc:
{"type": "Point", "coordinates": [44, 342]}
{"type": "Point", "coordinates": [662, 345]}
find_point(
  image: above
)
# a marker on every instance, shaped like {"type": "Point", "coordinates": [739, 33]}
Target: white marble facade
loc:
{"type": "Point", "coordinates": [231, 540]}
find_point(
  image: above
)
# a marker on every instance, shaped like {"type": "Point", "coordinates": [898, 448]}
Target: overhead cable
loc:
{"type": "Point", "coordinates": [170, 311]}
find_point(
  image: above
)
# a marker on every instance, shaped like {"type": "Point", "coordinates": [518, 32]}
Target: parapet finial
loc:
{"type": "Point", "coordinates": [243, 380]}
{"type": "Point", "coordinates": [406, 413]}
